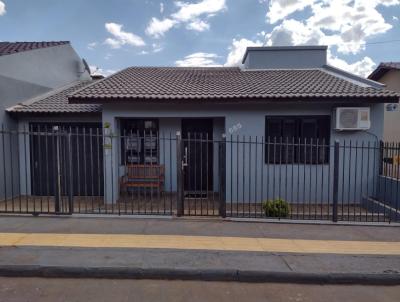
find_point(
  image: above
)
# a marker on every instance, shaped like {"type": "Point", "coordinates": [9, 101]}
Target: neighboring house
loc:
{"type": "Point", "coordinates": [388, 73]}
{"type": "Point", "coordinates": [29, 69]}
{"type": "Point", "coordinates": [287, 93]}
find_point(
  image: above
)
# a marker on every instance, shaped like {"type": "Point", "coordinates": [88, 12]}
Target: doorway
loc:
{"type": "Point", "coordinates": [197, 135]}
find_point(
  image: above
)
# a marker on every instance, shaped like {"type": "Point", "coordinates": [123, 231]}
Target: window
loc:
{"type": "Point", "coordinates": [298, 140]}
{"type": "Point", "coordinates": [139, 141]}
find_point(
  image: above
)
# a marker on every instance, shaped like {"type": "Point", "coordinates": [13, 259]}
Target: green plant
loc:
{"type": "Point", "coordinates": [276, 208]}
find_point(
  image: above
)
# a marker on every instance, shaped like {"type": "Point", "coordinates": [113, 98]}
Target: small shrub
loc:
{"type": "Point", "coordinates": [276, 208]}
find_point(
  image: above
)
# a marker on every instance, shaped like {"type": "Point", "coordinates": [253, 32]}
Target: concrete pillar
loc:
{"type": "Point", "coordinates": [111, 162]}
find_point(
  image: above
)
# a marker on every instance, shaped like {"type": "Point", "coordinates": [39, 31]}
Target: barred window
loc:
{"type": "Point", "coordinates": [139, 141]}
{"type": "Point", "coordinates": [297, 140]}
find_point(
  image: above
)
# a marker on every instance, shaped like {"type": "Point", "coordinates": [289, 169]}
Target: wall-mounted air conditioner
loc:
{"type": "Point", "coordinates": [353, 118]}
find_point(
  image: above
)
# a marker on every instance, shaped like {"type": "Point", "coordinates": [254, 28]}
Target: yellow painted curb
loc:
{"type": "Point", "coordinates": [200, 243]}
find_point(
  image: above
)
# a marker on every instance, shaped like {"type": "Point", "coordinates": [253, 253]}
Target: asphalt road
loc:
{"type": "Point", "coordinates": [57, 290]}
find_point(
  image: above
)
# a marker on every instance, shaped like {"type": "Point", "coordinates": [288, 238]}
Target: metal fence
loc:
{"type": "Point", "coordinates": [310, 179]}
{"type": "Point", "coordinates": [88, 170]}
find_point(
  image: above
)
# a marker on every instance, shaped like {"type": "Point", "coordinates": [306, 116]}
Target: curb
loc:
{"type": "Point", "coordinates": [197, 275]}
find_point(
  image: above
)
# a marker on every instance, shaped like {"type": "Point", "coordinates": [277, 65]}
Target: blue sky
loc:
{"type": "Point", "coordinates": [113, 34]}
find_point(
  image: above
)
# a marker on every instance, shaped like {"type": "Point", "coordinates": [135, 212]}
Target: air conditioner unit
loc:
{"type": "Point", "coordinates": [353, 118]}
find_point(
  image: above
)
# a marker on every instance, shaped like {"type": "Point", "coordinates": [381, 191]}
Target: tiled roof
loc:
{"type": "Point", "coordinates": [8, 48]}
{"type": "Point", "coordinates": [56, 101]}
{"type": "Point", "coordinates": [382, 69]}
{"type": "Point", "coordinates": [225, 84]}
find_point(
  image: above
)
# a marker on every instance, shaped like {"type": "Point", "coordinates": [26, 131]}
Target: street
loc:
{"type": "Point", "coordinates": [71, 290]}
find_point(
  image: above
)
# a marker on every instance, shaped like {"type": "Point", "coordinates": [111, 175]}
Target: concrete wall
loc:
{"type": "Point", "coordinates": [245, 172]}
{"type": "Point", "coordinates": [285, 57]}
{"type": "Point", "coordinates": [30, 73]}
{"type": "Point", "coordinates": [392, 119]}
{"type": "Point", "coordinates": [389, 192]}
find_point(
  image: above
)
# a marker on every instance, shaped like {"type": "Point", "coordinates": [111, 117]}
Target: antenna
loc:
{"type": "Point", "coordinates": [86, 65]}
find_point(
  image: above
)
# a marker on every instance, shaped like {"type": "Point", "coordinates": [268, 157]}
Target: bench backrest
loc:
{"type": "Point", "coordinates": [145, 171]}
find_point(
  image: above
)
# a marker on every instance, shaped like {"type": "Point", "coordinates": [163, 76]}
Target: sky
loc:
{"type": "Point", "coordinates": [114, 34]}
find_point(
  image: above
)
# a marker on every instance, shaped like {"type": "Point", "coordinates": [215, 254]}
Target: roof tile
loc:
{"type": "Point", "coordinates": [173, 83]}
{"type": "Point", "coordinates": [8, 48]}
{"type": "Point", "coordinates": [56, 101]}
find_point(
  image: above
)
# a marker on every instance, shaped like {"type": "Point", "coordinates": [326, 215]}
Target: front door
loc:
{"type": "Point", "coordinates": [197, 135]}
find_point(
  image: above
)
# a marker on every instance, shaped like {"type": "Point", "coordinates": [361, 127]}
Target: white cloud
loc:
{"type": "Point", "coordinates": [198, 25]}
{"type": "Point", "coordinates": [189, 11]}
{"type": "Point", "coordinates": [94, 70]}
{"type": "Point", "coordinates": [237, 50]}
{"type": "Point", "coordinates": [92, 45]}
{"type": "Point", "coordinates": [120, 37]}
{"type": "Point", "coordinates": [394, 18]}
{"type": "Point", "coordinates": [293, 32]}
{"type": "Point", "coordinates": [194, 15]}
{"type": "Point", "coordinates": [157, 47]}
{"type": "Point", "coordinates": [363, 67]}
{"type": "Point", "coordinates": [279, 9]}
{"type": "Point", "coordinates": [2, 8]}
{"type": "Point", "coordinates": [161, 8]}
{"type": "Point", "coordinates": [157, 28]}
{"type": "Point", "coordinates": [345, 23]}
{"type": "Point", "coordinates": [199, 59]}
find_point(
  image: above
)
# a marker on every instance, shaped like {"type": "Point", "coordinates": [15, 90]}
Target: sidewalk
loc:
{"type": "Point", "coordinates": [198, 249]}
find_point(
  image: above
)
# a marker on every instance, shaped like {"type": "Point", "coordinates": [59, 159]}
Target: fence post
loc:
{"type": "Point", "coordinates": [70, 175]}
{"type": "Point", "coordinates": [179, 175]}
{"type": "Point", "coordinates": [336, 181]}
{"type": "Point", "coordinates": [57, 197]}
{"type": "Point", "coordinates": [222, 176]}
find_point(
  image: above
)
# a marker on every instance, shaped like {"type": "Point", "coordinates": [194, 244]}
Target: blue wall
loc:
{"type": "Point", "coordinates": [311, 183]}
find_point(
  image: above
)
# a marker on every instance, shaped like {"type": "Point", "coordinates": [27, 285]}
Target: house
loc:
{"type": "Point", "coordinates": [27, 70]}
{"type": "Point", "coordinates": [388, 73]}
{"type": "Point", "coordinates": [265, 130]}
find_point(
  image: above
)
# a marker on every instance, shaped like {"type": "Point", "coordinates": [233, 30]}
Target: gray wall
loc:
{"type": "Point", "coordinates": [392, 119]}
{"type": "Point", "coordinates": [285, 57]}
{"type": "Point", "coordinates": [252, 123]}
{"type": "Point", "coordinates": [30, 73]}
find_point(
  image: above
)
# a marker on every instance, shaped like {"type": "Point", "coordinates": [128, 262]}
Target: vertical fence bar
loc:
{"type": "Point", "coordinates": [397, 180]}
{"type": "Point", "coordinates": [4, 167]}
{"type": "Point", "coordinates": [256, 160]}
{"type": "Point", "coordinates": [58, 172]}
{"type": "Point", "coordinates": [222, 177]}
{"type": "Point", "coordinates": [179, 175]}
{"type": "Point", "coordinates": [26, 133]}
{"type": "Point", "coordinates": [335, 182]}
{"type": "Point", "coordinates": [70, 174]}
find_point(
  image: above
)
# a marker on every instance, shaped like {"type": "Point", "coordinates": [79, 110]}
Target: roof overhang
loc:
{"type": "Point", "coordinates": [381, 70]}
{"type": "Point", "coordinates": [241, 100]}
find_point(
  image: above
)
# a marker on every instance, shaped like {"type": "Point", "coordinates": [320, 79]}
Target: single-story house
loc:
{"type": "Point", "coordinates": [262, 130]}
{"type": "Point", "coordinates": [388, 73]}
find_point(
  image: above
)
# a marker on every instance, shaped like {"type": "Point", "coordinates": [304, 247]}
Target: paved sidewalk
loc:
{"type": "Point", "coordinates": [198, 249]}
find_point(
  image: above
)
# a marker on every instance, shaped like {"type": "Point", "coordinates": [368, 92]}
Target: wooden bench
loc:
{"type": "Point", "coordinates": [143, 176]}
